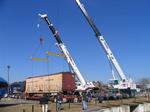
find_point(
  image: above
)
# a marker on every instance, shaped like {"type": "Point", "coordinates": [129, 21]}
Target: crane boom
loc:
{"type": "Point", "coordinates": [65, 51]}
{"type": "Point", "coordinates": [102, 41]}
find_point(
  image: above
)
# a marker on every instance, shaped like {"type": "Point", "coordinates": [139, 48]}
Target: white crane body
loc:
{"type": "Point", "coordinates": [83, 83]}
{"type": "Point", "coordinates": [124, 83]}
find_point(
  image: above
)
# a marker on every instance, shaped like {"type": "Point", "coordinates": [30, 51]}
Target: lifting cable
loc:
{"type": "Point", "coordinates": [40, 47]}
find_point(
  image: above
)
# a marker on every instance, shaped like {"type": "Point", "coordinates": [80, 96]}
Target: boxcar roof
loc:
{"type": "Point", "coordinates": [48, 74]}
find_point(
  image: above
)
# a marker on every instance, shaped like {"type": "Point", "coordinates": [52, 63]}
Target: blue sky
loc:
{"type": "Point", "coordinates": [124, 23]}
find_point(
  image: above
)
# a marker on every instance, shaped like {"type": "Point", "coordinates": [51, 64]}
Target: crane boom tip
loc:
{"type": "Point", "coordinates": [78, 1]}
{"type": "Point", "coordinates": [42, 15]}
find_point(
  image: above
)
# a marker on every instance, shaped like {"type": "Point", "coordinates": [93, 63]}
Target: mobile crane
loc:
{"type": "Point", "coordinates": [83, 84]}
{"type": "Point", "coordinates": [123, 84]}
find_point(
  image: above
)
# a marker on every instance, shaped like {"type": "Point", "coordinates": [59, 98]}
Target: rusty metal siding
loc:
{"type": "Point", "coordinates": [68, 82]}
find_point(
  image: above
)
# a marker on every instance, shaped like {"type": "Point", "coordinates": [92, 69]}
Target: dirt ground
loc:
{"type": "Point", "coordinates": [37, 108]}
{"type": "Point", "coordinates": [72, 107]}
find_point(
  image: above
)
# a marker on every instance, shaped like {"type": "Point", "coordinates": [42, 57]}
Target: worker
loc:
{"type": "Point", "coordinates": [84, 100]}
{"type": "Point", "coordinates": [44, 103]}
{"type": "Point", "coordinates": [89, 95]}
{"type": "Point", "coordinates": [59, 99]}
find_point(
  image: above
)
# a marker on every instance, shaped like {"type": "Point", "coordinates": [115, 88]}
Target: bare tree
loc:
{"type": "Point", "coordinates": [144, 82]}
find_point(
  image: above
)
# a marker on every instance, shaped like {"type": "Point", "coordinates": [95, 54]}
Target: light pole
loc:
{"type": "Point", "coordinates": [8, 70]}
